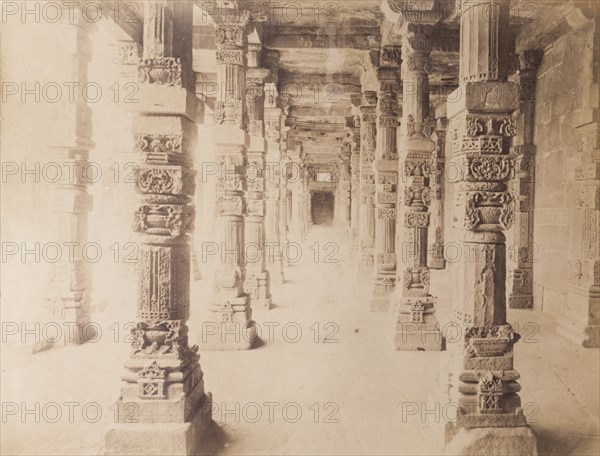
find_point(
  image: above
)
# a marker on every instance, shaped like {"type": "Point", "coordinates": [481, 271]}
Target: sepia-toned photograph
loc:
{"type": "Point", "coordinates": [300, 228]}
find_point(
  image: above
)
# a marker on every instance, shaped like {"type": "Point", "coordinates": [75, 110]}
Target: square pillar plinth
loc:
{"type": "Point", "coordinates": [382, 292]}
{"type": "Point", "coordinates": [416, 327]}
{"type": "Point", "coordinates": [230, 326]}
{"type": "Point", "coordinates": [146, 439]}
{"type": "Point", "coordinates": [491, 441]}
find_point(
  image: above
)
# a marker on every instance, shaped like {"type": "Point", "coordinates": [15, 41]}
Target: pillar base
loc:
{"type": "Point", "coordinates": [491, 441]}
{"type": "Point", "coordinates": [230, 326]}
{"type": "Point", "coordinates": [275, 270]}
{"type": "Point", "coordinates": [364, 266]}
{"type": "Point", "coordinates": [588, 336]}
{"type": "Point", "coordinates": [437, 263]}
{"type": "Point", "coordinates": [416, 326]}
{"type": "Point", "coordinates": [418, 337]}
{"type": "Point", "coordinates": [382, 292]}
{"type": "Point", "coordinates": [380, 303]}
{"type": "Point", "coordinates": [228, 336]}
{"type": "Point", "coordinates": [160, 438]}
{"type": "Point", "coordinates": [277, 277]}
{"type": "Point", "coordinates": [435, 256]}
{"type": "Point", "coordinates": [264, 303]}
{"type": "Point", "coordinates": [80, 331]}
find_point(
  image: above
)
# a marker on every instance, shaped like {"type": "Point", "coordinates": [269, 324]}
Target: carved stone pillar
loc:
{"type": "Point", "coordinates": [435, 250]}
{"type": "Point", "coordinates": [415, 324]}
{"type": "Point", "coordinates": [366, 234]}
{"type": "Point", "coordinates": [284, 209]}
{"type": "Point", "coordinates": [522, 248]}
{"type": "Point", "coordinates": [355, 171]}
{"type": "Point", "coordinates": [257, 281]}
{"type": "Point", "coordinates": [343, 199]}
{"type": "Point", "coordinates": [230, 307]}
{"type": "Point", "coordinates": [386, 180]}
{"type": "Point", "coordinates": [273, 115]}
{"type": "Point", "coordinates": [162, 381]}
{"type": "Point", "coordinates": [306, 204]}
{"type": "Point", "coordinates": [70, 282]}
{"type": "Point", "coordinates": [295, 175]}
{"type": "Point", "coordinates": [483, 379]}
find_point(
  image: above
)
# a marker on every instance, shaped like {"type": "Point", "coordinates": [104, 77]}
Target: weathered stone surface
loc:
{"type": "Point", "coordinates": [143, 439]}
{"type": "Point", "coordinates": [493, 441]}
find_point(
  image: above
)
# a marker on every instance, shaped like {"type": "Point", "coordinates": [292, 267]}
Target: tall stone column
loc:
{"type": "Point", "coordinates": [386, 180]}
{"type": "Point", "coordinates": [355, 171]}
{"type": "Point", "coordinates": [284, 210]}
{"type": "Point", "coordinates": [483, 381]}
{"type": "Point", "coordinates": [163, 382]}
{"type": "Point", "coordinates": [295, 174]}
{"type": "Point", "coordinates": [435, 255]}
{"type": "Point", "coordinates": [343, 198]}
{"type": "Point", "coordinates": [306, 204]}
{"type": "Point", "coordinates": [522, 248]}
{"type": "Point", "coordinates": [230, 309]}
{"type": "Point", "coordinates": [366, 233]}
{"type": "Point", "coordinates": [273, 230]}
{"type": "Point", "coordinates": [415, 323]}
{"type": "Point", "coordinates": [70, 282]}
{"type": "Point", "coordinates": [257, 280]}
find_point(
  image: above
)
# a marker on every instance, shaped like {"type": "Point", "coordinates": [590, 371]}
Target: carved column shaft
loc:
{"type": "Point", "coordinates": [306, 219]}
{"type": "Point", "coordinates": [295, 172]}
{"type": "Point", "coordinates": [355, 175]}
{"type": "Point", "coordinates": [257, 282]}
{"type": "Point", "coordinates": [162, 378]}
{"type": "Point", "coordinates": [416, 326]}
{"type": "Point", "coordinates": [386, 181]}
{"type": "Point", "coordinates": [273, 115]}
{"type": "Point", "coordinates": [231, 305]}
{"type": "Point", "coordinates": [284, 207]}
{"type": "Point", "coordinates": [368, 133]}
{"type": "Point", "coordinates": [343, 201]}
{"type": "Point", "coordinates": [436, 258]}
{"type": "Point", "coordinates": [481, 131]}
{"type": "Point", "coordinates": [522, 248]}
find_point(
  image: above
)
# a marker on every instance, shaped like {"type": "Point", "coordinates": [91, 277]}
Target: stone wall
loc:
{"type": "Point", "coordinates": [566, 171]}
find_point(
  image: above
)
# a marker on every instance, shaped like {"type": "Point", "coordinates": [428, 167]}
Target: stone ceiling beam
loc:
{"type": "Point", "coordinates": [363, 38]}
{"type": "Point", "coordinates": [325, 111]}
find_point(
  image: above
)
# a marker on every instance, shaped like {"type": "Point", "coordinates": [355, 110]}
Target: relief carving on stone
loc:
{"type": "Point", "coordinates": [164, 219]}
{"type": "Point", "coordinates": [489, 393]}
{"type": "Point", "coordinates": [151, 382]}
{"type": "Point", "coordinates": [160, 71]}
{"type": "Point", "coordinates": [169, 181]}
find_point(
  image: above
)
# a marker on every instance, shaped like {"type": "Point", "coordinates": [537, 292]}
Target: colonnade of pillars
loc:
{"type": "Point", "coordinates": [388, 190]}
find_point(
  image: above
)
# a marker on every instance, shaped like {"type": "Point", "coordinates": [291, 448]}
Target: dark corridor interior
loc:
{"type": "Point", "coordinates": [322, 204]}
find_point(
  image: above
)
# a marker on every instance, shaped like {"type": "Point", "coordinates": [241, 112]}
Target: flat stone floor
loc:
{"type": "Point", "coordinates": [324, 381]}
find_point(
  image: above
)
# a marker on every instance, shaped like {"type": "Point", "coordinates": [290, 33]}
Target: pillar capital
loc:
{"type": "Point", "coordinates": [427, 12]}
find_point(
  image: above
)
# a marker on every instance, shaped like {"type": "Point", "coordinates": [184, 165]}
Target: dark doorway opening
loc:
{"type": "Point", "coordinates": [322, 206]}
